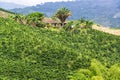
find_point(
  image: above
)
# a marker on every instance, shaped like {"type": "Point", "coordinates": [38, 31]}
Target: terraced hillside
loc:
{"type": "Point", "coordinates": [31, 53]}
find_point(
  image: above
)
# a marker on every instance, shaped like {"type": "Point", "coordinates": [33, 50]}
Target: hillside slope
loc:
{"type": "Point", "coordinates": [31, 53]}
{"type": "Point", "coordinates": [107, 30]}
{"type": "Point", "coordinates": [5, 13]}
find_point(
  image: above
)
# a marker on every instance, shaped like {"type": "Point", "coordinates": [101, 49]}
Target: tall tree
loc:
{"type": "Point", "coordinates": [62, 14]}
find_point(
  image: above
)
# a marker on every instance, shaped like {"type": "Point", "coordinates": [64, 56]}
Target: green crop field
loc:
{"type": "Point", "coordinates": [32, 53]}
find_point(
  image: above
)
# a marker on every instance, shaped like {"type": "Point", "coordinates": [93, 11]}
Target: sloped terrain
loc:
{"type": "Point", "coordinates": [5, 13]}
{"type": "Point", "coordinates": [107, 30]}
{"type": "Point", "coordinates": [31, 53]}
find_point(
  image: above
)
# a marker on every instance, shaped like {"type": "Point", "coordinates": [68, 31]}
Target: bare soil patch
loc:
{"type": "Point", "coordinates": [107, 30]}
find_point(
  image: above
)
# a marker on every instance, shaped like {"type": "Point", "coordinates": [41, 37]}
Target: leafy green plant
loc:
{"type": "Point", "coordinates": [35, 18]}
{"type": "Point", "coordinates": [32, 53]}
{"type": "Point", "coordinates": [62, 14]}
{"type": "Point", "coordinates": [86, 23]}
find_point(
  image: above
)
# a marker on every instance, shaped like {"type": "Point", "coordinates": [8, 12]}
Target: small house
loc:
{"type": "Point", "coordinates": [52, 22]}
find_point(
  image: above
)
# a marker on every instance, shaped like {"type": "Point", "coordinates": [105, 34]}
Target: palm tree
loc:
{"type": "Point", "coordinates": [62, 14]}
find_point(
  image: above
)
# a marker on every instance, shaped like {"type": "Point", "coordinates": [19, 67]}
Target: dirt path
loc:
{"type": "Point", "coordinates": [108, 30]}
{"type": "Point", "coordinates": [4, 14]}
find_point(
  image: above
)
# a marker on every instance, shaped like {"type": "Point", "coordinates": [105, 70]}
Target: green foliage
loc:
{"type": "Point", "coordinates": [97, 71]}
{"type": "Point", "coordinates": [114, 72]}
{"type": "Point", "coordinates": [78, 24]}
{"type": "Point", "coordinates": [97, 78]}
{"type": "Point", "coordinates": [72, 25]}
{"type": "Point", "coordinates": [89, 24]}
{"type": "Point", "coordinates": [35, 18]}
{"type": "Point", "coordinates": [81, 74]}
{"type": "Point", "coordinates": [32, 53]}
{"type": "Point", "coordinates": [18, 18]}
{"type": "Point", "coordinates": [62, 14]}
{"type": "Point", "coordinates": [97, 68]}
{"type": "Point", "coordinates": [86, 23]}
{"type": "Point", "coordinates": [49, 26]}
{"type": "Point", "coordinates": [41, 24]}
{"type": "Point", "coordinates": [68, 26]}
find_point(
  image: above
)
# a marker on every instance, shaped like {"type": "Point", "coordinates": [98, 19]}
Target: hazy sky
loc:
{"type": "Point", "coordinates": [31, 2]}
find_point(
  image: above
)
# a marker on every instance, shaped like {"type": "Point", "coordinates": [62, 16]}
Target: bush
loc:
{"type": "Point", "coordinates": [35, 18]}
{"type": "Point", "coordinates": [41, 24]}
{"type": "Point", "coordinates": [72, 25]}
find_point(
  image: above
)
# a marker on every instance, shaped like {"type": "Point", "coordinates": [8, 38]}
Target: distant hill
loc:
{"type": "Point", "coordinates": [6, 5]}
{"type": "Point", "coordinates": [102, 11]}
{"type": "Point", "coordinates": [5, 13]}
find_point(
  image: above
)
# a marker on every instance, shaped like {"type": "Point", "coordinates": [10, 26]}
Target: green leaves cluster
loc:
{"type": "Point", "coordinates": [32, 19]}
{"type": "Point", "coordinates": [97, 71]}
{"type": "Point", "coordinates": [28, 53]}
{"type": "Point", "coordinates": [35, 18]}
{"type": "Point", "coordinates": [62, 14]}
{"type": "Point", "coordinates": [78, 24]}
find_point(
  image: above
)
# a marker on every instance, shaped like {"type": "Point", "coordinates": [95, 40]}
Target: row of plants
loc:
{"type": "Point", "coordinates": [32, 53]}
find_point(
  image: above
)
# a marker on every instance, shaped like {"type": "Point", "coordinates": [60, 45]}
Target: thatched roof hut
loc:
{"type": "Point", "coordinates": [52, 21]}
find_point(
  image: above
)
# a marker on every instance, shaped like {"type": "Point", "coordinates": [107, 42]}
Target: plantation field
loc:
{"type": "Point", "coordinates": [32, 53]}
